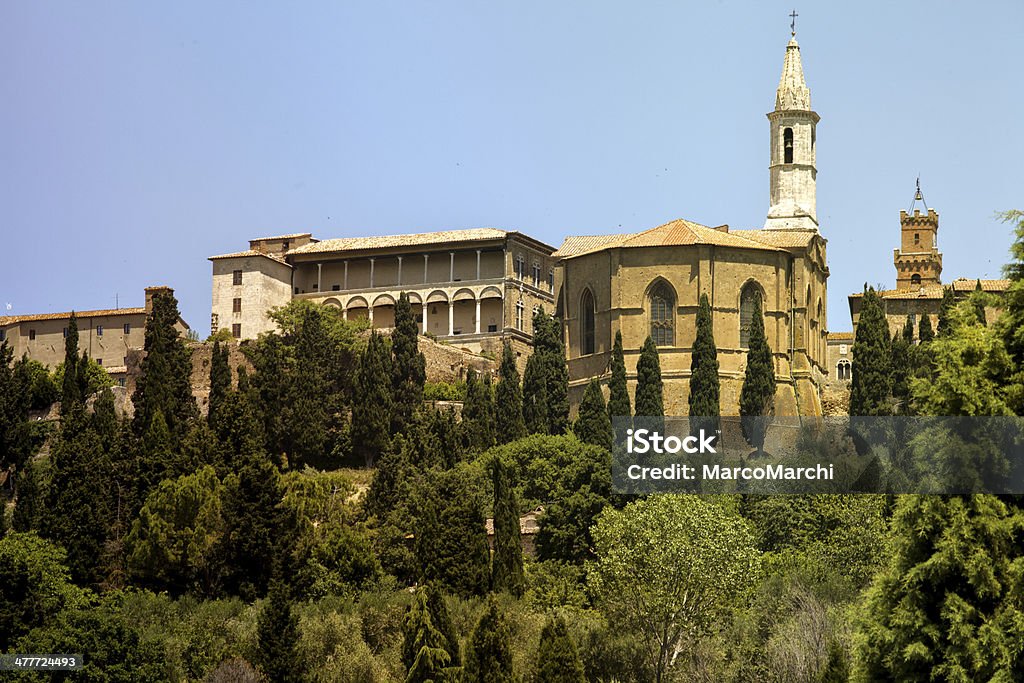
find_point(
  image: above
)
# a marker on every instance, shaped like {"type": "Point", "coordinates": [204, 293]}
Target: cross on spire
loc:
{"type": "Point", "coordinates": [792, 24]}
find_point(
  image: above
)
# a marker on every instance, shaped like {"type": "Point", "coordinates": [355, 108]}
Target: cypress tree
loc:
{"type": "Point", "coordinates": [945, 310]}
{"type": "Point", "coordinates": [28, 508]}
{"type": "Point", "coordinates": [220, 384]}
{"type": "Point", "coordinates": [557, 372]}
{"type": "Point", "coordinates": [164, 382]}
{"type": "Point", "coordinates": [489, 655]}
{"type": "Point", "coordinates": [254, 533]}
{"type": "Point", "coordinates": [535, 395]}
{"type": "Point", "coordinates": [872, 364]}
{"type": "Point", "coordinates": [925, 333]}
{"type": "Point", "coordinates": [304, 413]}
{"type": "Point", "coordinates": [618, 394]}
{"type": "Point", "coordinates": [908, 331]}
{"type": "Point", "coordinates": [104, 419]}
{"type": "Point", "coordinates": [649, 400]}
{"type": "Point", "coordinates": [371, 410]}
{"type": "Point", "coordinates": [507, 564]}
{"type": "Point", "coordinates": [837, 667]}
{"type": "Point", "coordinates": [508, 402]}
{"type": "Point", "coordinates": [978, 301]}
{"type": "Point", "coordinates": [557, 658]}
{"type": "Point", "coordinates": [71, 397]}
{"type": "Point", "coordinates": [409, 370]}
{"type": "Point", "coordinates": [757, 397]}
{"type": "Point", "coordinates": [593, 425]}
{"type": "Point", "coordinates": [704, 402]}
{"type": "Point", "coordinates": [15, 443]}
{"type": "Point", "coordinates": [277, 631]}
{"type": "Point", "coordinates": [1011, 323]}
{"type": "Point", "coordinates": [478, 413]}
{"type": "Point", "coordinates": [901, 366]}
{"type": "Point", "coordinates": [423, 648]}
{"type": "Point", "coordinates": [442, 620]}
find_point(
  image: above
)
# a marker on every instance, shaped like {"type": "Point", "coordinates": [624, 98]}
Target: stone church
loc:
{"type": "Point", "coordinates": [650, 283]}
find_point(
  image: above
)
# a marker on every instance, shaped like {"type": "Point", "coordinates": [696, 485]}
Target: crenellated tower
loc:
{"type": "Point", "coordinates": [918, 261]}
{"type": "Point", "coordinates": [793, 172]}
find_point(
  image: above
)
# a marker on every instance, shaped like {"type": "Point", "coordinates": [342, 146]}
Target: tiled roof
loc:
{"type": "Point", "coordinates": [577, 244]}
{"type": "Point", "coordinates": [387, 241]}
{"type": "Point", "coordinates": [779, 238]}
{"type": "Point", "coordinates": [840, 336]}
{"type": "Point", "coordinates": [292, 236]}
{"type": "Point", "coordinates": [960, 285]}
{"type": "Point", "coordinates": [248, 252]}
{"type": "Point", "coordinates": [11, 319]}
{"type": "Point", "coordinates": [679, 232]}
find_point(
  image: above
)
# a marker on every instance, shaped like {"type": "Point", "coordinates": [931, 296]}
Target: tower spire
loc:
{"type": "Point", "coordinates": [793, 92]}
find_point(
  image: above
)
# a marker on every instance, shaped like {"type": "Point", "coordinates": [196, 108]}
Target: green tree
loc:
{"type": "Point", "coordinates": [900, 354]}
{"type": "Point", "coordinates": [508, 404]}
{"type": "Point", "coordinates": [649, 396]}
{"type": "Point", "coordinates": [220, 384]}
{"type": "Point", "coordinates": [71, 399]}
{"type": "Point", "coordinates": [978, 301]}
{"type": "Point", "coordinates": [254, 528]}
{"type": "Point", "coordinates": [535, 395]}
{"type": "Point", "coordinates": [43, 390]}
{"type": "Point", "coordinates": [277, 632]}
{"type": "Point", "coordinates": [164, 381]}
{"type": "Point", "coordinates": [15, 430]}
{"type": "Point", "coordinates": [948, 606]}
{"type": "Point", "coordinates": [837, 667]}
{"type": "Point", "coordinates": [478, 413]}
{"type": "Point", "coordinates": [172, 544]}
{"type": "Point", "coordinates": [592, 424]}
{"type": "Point", "coordinates": [371, 409]}
{"type": "Point", "coordinates": [557, 658]}
{"type": "Point", "coordinates": [1011, 322]}
{"type": "Point", "coordinates": [507, 564]}
{"type": "Point", "coordinates": [925, 333]}
{"type": "Point", "coordinates": [489, 655]}
{"type": "Point", "coordinates": [872, 362]}
{"type": "Point", "coordinates": [945, 307]}
{"type": "Point", "coordinates": [423, 647]}
{"type": "Point", "coordinates": [409, 371]}
{"type": "Point", "coordinates": [29, 505]}
{"type": "Point", "coordinates": [442, 620]}
{"type": "Point", "coordinates": [704, 384]}
{"type": "Point", "coordinates": [668, 568]}
{"type": "Point", "coordinates": [546, 380]}
{"type": "Point", "coordinates": [618, 398]}
{"type": "Point", "coordinates": [757, 397]}
{"type": "Point", "coordinates": [908, 330]}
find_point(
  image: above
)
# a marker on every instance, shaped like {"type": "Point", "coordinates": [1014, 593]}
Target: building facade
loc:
{"type": "Point", "coordinates": [472, 287]}
{"type": "Point", "coordinates": [650, 283]}
{"type": "Point", "coordinates": [106, 335]}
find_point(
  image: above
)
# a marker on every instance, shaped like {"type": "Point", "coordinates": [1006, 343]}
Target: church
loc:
{"type": "Point", "coordinates": [650, 283]}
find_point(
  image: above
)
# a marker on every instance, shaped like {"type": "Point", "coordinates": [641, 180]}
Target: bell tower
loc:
{"type": "Point", "coordinates": [793, 174]}
{"type": "Point", "coordinates": [918, 261]}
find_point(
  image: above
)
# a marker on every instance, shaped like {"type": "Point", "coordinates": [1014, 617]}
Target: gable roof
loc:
{"type": "Point", "coordinates": [12, 319]}
{"type": "Point", "coordinates": [961, 285]}
{"type": "Point", "coordinates": [679, 232]}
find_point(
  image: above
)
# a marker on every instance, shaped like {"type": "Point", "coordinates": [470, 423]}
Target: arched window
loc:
{"type": "Point", "coordinates": [915, 279]}
{"type": "Point", "coordinates": [587, 331]}
{"type": "Point", "coordinates": [843, 370]}
{"type": "Point", "coordinates": [663, 304]}
{"type": "Point", "coordinates": [750, 297]}
{"type": "Point", "coordinates": [787, 146]}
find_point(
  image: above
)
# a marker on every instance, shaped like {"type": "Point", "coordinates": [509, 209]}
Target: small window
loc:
{"type": "Point", "coordinates": [750, 299]}
{"type": "Point", "coordinates": [335, 288]}
{"type": "Point", "coordinates": [917, 238]}
{"type": "Point", "coordinates": [551, 280]}
{"type": "Point", "coordinates": [31, 335]}
{"type": "Point", "coordinates": [787, 146]}
{"type": "Point", "coordinates": [915, 279]}
{"type": "Point", "coordinates": [296, 290]}
{"type": "Point", "coordinates": [236, 331]}
{"type": "Point", "coordinates": [237, 277]}
{"type": "Point", "coordinates": [520, 312]}
{"type": "Point", "coordinates": [236, 305]}
{"type": "Point", "coordinates": [844, 370]}
{"type": "Point", "coordinates": [662, 303]}
{"type": "Point", "coordinates": [284, 245]}
{"type": "Point", "coordinates": [536, 275]}
{"type": "Point", "coordinates": [127, 328]}
{"type": "Point", "coordinates": [587, 331]}
{"type": "Point", "coordinates": [121, 381]}
{"type": "Point", "coordinates": [99, 361]}
{"type": "Point", "coordinates": [492, 328]}
{"type": "Point", "coordinates": [99, 330]}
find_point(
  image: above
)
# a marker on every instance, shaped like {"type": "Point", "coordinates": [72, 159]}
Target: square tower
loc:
{"type": "Point", "coordinates": [918, 260]}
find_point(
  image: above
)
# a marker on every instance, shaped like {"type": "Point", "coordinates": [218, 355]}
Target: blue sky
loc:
{"type": "Point", "coordinates": [140, 138]}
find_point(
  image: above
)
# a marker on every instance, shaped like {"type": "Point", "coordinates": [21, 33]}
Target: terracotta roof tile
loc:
{"type": "Point", "coordinates": [386, 241]}
{"type": "Point", "coordinates": [11, 319]}
{"type": "Point", "coordinates": [840, 336]}
{"type": "Point", "coordinates": [960, 285]}
{"type": "Point", "coordinates": [779, 238]}
{"type": "Point", "coordinates": [577, 244]}
{"type": "Point", "coordinates": [292, 236]}
{"type": "Point", "coordinates": [679, 232]}
{"type": "Point", "coordinates": [248, 252]}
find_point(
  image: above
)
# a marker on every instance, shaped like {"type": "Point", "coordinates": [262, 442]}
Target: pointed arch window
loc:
{"type": "Point", "coordinates": [787, 146]}
{"type": "Point", "coordinates": [588, 333]}
{"type": "Point", "coordinates": [750, 298]}
{"type": "Point", "coordinates": [663, 303]}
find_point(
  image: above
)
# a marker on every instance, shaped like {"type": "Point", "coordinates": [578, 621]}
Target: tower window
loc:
{"type": "Point", "coordinates": [843, 370]}
{"type": "Point", "coordinates": [787, 146]}
{"type": "Point", "coordinates": [587, 331]}
{"type": "Point", "coordinates": [750, 299]}
{"type": "Point", "coordinates": [662, 303]}
{"type": "Point", "coordinates": [917, 238]}
{"type": "Point", "coordinates": [915, 279]}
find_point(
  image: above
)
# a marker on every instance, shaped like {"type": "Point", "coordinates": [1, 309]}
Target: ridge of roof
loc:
{"type": "Point", "coordinates": [411, 239]}
{"type": "Point", "coordinates": [30, 317]}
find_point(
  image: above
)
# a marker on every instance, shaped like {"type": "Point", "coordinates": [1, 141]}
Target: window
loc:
{"type": "Point", "coordinates": [31, 335]}
{"type": "Point", "coordinates": [99, 330]}
{"type": "Point", "coordinates": [787, 146]}
{"type": "Point", "coordinates": [520, 310]}
{"type": "Point", "coordinates": [127, 328]}
{"type": "Point", "coordinates": [750, 300]}
{"type": "Point", "coordinates": [915, 279]}
{"type": "Point", "coordinates": [284, 245]}
{"type": "Point", "coordinates": [663, 303]}
{"type": "Point", "coordinates": [520, 267]}
{"type": "Point", "coordinates": [844, 370]}
{"type": "Point", "coordinates": [587, 331]}
{"type": "Point", "coordinates": [492, 328]}
{"type": "Point", "coordinates": [917, 238]}
{"type": "Point", "coordinates": [551, 280]}
{"type": "Point", "coordinates": [536, 275]}
{"type": "Point", "coordinates": [335, 288]}
{"type": "Point", "coordinates": [236, 305]}
{"type": "Point", "coordinates": [121, 381]}
{"type": "Point", "coordinates": [236, 331]}
{"type": "Point", "coordinates": [99, 361]}
{"type": "Point", "coordinates": [236, 277]}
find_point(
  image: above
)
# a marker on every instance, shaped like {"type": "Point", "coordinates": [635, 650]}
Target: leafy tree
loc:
{"type": "Point", "coordinates": [557, 658]}
{"type": "Point", "coordinates": [668, 568]}
{"type": "Point", "coordinates": [618, 399]}
{"type": "Point", "coordinates": [371, 410]}
{"type": "Point", "coordinates": [507, 564]}
{"type": "Point", "coordinates": [900, 352]}
{"type": "Point", "coordinates": [945, 307]}
{"type": "Point", "coordinates": [872, 370]}
{"type": "Point", "coordinates": [423, 648]}
{"type": "Point", "coordinates": [757, 397]}
{"type": "Point", "coordinates": [535, 395]}
{"type": "Point", "coordinates": [442, 620]}
{"type": "Point", "coordinates": [305, 410]}
{"type": "Point", "coordinates": [489, 655]}
{"type": "Point", "coordinates": [172, 544]}
{"type": "Point", "coordinates": [508, 404]}
{"type": "Point", "coordinates": [91, 376]}
{"type": "Point", "coordinates": [164, 382]}
{"type": "Point", "coordinates": [15, 430]}
{"type": "Point", "coordinates": [71, 399]}
{"type": "Point", "coordinates": [34, 585]}
{"type": "Point", "coordinates": [978, 301]}
{"type": "Point", "coordinates": [649, 398]}
{"type": "Point", "coordinates": [704, 384]}
{"type": "Point", "coordinates": [220, 384]}
{"type": "Point", "coordinates": [409, 371]}
{"type": "Point", "coordinates": [593, 425]}
{"type": "Point", "coordinates": [924, 329]}
{"type": "Point", "coordinates": [948, 606]}
{"type": "Point", "coordinates": [104, 419]}
{"type": "Point", "coordinates": [277, 632]}
{"type": "Point", "coordinates": [1011, 323]}
{"type": "Point", "coordinates": [837, 667]}
{"type": "Point", "coordinates": [28, 508]}
{"type": "Point", "coordinates": [255, 530]}
{"type": "Point", "coordinates": [546, 380]}
{"type": "Point", "coordinates": [908, 331]}
{"type": "Point", "coordinates": [42, 390]}
{"type": "Point", "coordinates": [478, 414]}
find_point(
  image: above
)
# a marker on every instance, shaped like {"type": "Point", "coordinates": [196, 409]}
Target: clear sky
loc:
{"type": "Point", "coordinates": [140, 138]}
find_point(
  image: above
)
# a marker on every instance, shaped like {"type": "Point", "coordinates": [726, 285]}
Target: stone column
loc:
{"type": "Point", "coordinates": [451, 318]}
{"type": "Point", "coordinates": [478, 306]}
{"type": "Point", "coordinates": [319, 286]}
{"type": "Point", "coordinates": [369, 310]}
{"type": "Point", "coordinates": [344, 313]}
{"type": "Point", "coordinates": [424, 317]}
{"type": "Point", "coordinates": [426, 261]}
{"type": "Point", "coordinates": [371, 277]}
{"type": "Point", "coordinates": [451, 267]}
{"type": "Point", "coordinates": [399, 271]}
{"type": "Point", "coordinates": [477, 264]}
{"type": "Point", "coordinates": [346, 274]}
